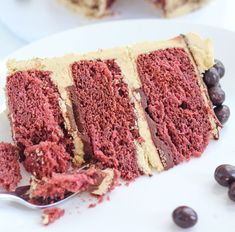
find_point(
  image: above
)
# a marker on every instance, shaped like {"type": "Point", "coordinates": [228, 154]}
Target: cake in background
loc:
{"type": "Point", "coordinates": [174, 8]}
{"type": "Point", "coordinates": [100, 8]}
{"type": "Point", "coordinates": [89, 8]}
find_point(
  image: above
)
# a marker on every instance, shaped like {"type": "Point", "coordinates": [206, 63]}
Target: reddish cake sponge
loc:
{"type": "Point", "coordinates": [44, 159]}
{"type": "Point", "coordinates": [52, 214]}
{"type": "Point", "coordinates": [174, 103]}
{"type": "Point", "coordinates": [61, 184]}
{"type": "Point", "coordinates": [105, 114]}
{"type": "Point", "coordinates": [9, 166]}
{"type": "Point", "coordinates": [34, 109]}
{"type": "Point", "coordinates": [32, 117]}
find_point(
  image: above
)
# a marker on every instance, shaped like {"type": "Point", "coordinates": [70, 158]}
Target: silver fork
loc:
{"type": "Point", "coordinates": [20, 196]}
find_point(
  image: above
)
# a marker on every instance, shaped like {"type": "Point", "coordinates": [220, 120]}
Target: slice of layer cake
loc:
{"type": "Point", "coordinates": [9, 166]}
{"type": "Point", "coordinates": [174, 8]}
{"type": "Point", "coordinates": [129, 108]}
{"type": "Point", "coordinates": [171, 91]}
{"type": "Point", "coordinates": [90, 8]}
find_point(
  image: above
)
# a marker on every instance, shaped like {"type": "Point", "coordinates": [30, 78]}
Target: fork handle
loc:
{"type": "Point", "coordinates": [8, 196]}
{"type": "Point", "coordinates": [11, 197]}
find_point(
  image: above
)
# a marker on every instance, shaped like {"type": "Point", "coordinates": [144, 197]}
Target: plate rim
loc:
{"type": "Point", "coordinates": [107, 24]}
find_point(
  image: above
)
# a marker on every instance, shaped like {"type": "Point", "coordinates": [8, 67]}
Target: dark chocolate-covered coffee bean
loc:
{"type": "Point", "coordinates": [184, 216]}
{"type": "Point", "coordinates": [225, 174]}
{"type": "Point", "coordinates": [219, 67]}
{"type": "Point", "coordinates": [217, 95]}
{"type": "Point", "coordinates": [211, 77]}
{"type": "Point", "coordinates": [222, 113]}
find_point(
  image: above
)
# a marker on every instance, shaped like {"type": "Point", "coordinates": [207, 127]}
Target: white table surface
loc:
{"type": "Point", "coordinates": [16, 30]}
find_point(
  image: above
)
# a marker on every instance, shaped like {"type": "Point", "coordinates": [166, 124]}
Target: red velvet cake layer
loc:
{"type": "Point", "coordinates": [105, 115]}
{"type": "Point", "coordinates": [45, 158]}
{"type": "Point", "coordinates": [9, 166]}
{"type": "Point", "coordinates": [176, 112]}
{"type": "Point", "coordinates": [61, 184]}
{"type": "Point", "coordinates": [34, 109]}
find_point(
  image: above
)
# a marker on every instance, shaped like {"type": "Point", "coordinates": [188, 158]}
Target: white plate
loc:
{"type": "Point", "coordinates": [34, 19]}
{"type": "Point", "coordinates": [146, 204]}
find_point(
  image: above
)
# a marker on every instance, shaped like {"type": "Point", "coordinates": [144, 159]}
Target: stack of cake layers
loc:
{"type": "Point", "coordinates": [130, 109]}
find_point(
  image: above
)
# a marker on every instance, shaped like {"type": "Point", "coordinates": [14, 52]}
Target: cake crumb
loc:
{"type": "Point", "coordinates": [51, 215]}
{"type": "Point", "coordinates": [93, 205]}
{"type": "Point", "coordinates": [100, 199]}
{"type": "Point", "coordinates": [127, 183]}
